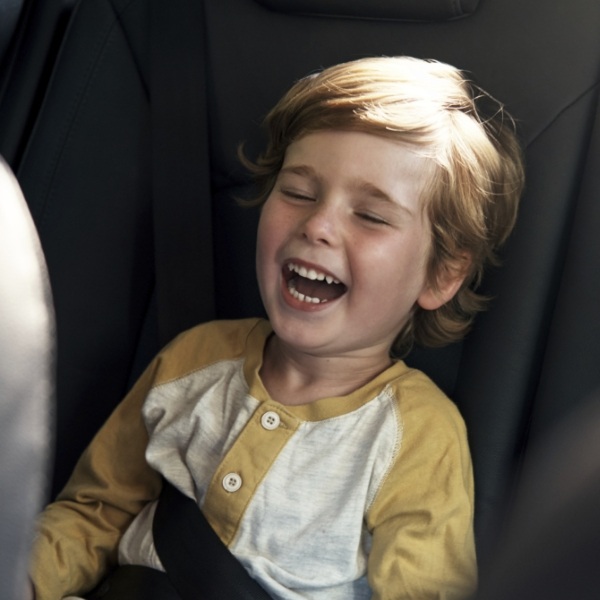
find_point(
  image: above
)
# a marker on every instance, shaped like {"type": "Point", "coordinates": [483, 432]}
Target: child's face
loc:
{"type": "Point", "coordinates": [346, 206]}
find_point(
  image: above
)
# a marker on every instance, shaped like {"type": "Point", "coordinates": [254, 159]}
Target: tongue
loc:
{"type": "Point", "coordinates": [319, 289]}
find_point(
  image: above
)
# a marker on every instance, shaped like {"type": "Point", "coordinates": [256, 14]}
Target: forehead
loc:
{"type": "Point", "coordinates": [363, 160]}
{"type": "Point", "coordinates": [348, 144]}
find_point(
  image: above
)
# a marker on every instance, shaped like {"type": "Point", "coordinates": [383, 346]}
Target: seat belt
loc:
{"type": "Point", "coordinates": [180, 167]}
{"type": "Point", "coordinates": [197, 562]}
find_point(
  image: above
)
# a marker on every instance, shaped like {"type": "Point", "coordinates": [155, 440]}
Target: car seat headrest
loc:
{"type": "Point", "coordinates": [400, 10]}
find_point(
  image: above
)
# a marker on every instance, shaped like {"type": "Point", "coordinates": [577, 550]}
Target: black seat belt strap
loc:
{"type": "Point", "coordinates": [197, 562]}
{"type": "Point", "coordinates": [180, 167]}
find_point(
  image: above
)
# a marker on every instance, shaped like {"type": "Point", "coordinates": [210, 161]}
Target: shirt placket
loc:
{"type": "Point", "coordinates": [244, 467]}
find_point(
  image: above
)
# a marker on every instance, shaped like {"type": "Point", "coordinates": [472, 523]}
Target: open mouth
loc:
{"type": "Point", "coordinates": [312, 286]}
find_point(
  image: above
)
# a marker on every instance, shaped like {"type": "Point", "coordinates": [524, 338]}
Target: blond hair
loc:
{"type": "Point", "coordinates": [472, 196]}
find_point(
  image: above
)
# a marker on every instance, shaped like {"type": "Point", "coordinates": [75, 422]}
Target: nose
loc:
{"type": "Point", "coordinates": [321, 225]}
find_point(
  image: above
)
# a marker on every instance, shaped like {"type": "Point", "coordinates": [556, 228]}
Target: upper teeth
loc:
{"type": "Point", "coordinates": [311, 274]}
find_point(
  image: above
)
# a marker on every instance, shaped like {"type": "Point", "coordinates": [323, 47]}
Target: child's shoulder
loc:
{"type": "Point", "coordinates": [212, 342]}
{"type": "Point", "coordinates": [222, 336]}
{"type": "Point", "coordinates": [419, 399]}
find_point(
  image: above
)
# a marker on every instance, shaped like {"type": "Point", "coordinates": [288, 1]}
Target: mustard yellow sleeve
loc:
{"type": "Point", "coordinates": [78, 535]}
{"type": "Point", "coordinates": [422, 519]}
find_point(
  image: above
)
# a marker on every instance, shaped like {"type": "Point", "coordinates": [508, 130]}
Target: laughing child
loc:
{"type": "Point", "coordinates": [329, 468]}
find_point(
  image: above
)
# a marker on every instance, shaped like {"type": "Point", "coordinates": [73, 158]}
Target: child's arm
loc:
{"type": "Point", "coordinates": [422, 519]}
{"type": "Point", "coordinates": [78, 535]}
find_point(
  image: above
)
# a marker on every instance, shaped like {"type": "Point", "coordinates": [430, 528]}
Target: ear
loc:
{"type": "Point", "coordinates": [449, 280]}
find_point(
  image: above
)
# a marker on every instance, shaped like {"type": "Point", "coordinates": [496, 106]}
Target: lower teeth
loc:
{"type": "Point", "coordinates": [308, 299]}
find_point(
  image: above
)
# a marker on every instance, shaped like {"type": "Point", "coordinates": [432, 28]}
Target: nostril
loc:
{"type": "Point", "coordinates": [318, 233]}
{"type": "Point", "coordinates": [319, 227]}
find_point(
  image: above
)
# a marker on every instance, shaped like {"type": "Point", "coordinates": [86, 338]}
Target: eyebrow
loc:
{"type": "Point", "coordinates": [300, 170]}
{"type": "Point", "coordinates": [363, 186]}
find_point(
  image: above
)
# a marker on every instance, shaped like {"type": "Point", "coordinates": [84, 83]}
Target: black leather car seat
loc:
{"type": "Point", "coordinates": [10, 11]}
{"type": "Point", "coordinates": [35, 29]}
{"type": "Point", "coordinates": [552, 545]}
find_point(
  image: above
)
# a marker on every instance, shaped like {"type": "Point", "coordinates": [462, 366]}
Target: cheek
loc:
{"type": "Point", "coordinates": [276, 225]}
{"type": "Point", "coordinates": [401, 268]}
{"type": "Point", "coordinates": [270, 215]}
{"type": "Point", "coordinates": [262, 253]}
{"type": "Point", "coordinates": [266, 236]}
{"type": "Point", "coordinates": [268, 241]}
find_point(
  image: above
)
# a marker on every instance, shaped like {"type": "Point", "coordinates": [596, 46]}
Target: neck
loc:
{"type": "Point", "coordinates": [294, 377]}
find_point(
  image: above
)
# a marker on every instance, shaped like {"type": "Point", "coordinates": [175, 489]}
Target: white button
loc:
{"type": "Point", "coordinates": [270, 420]}
{"type": "Point", "coordinates": [232, 482]}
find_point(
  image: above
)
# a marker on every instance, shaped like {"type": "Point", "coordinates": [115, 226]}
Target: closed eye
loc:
{"type": "Point", "coordinates": [371, 218]}
{"type": "Point", "coordinates": [297, 195]}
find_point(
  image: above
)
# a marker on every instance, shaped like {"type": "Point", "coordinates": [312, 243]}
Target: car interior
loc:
{"type": "Point", "coordinates": [121, 121]}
